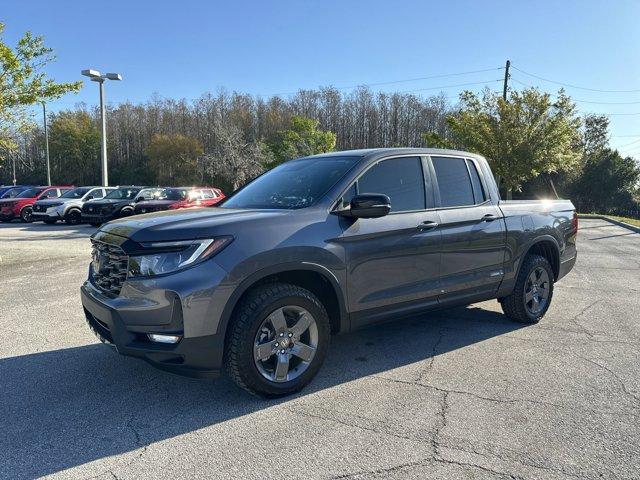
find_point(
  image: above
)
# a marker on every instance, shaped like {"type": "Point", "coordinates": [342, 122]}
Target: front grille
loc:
{"type": "Point", "coordinates": [108, 267]}
{"type": "Point", "coordinates": [39, 208]}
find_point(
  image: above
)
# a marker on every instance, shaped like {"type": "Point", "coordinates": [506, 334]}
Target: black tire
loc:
{"type": "Point", "coordinates": [26, 215]}
{"type": "Point", "coordinates": [515, 305]}
{"type": "Point", "coordinates": [243, 329]}
{"type": "Point", "coordinates": [126, 212]}
{"type": "Point", "coordinates": [49, 221]}
{"type": "Point", "coordinates": [73, 217]}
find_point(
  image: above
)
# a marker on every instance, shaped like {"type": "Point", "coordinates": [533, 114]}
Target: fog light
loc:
{"type": "Point", "coordinates": [164, 338]}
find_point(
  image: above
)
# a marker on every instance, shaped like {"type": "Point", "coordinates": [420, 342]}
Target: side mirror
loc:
{"type": "Point", "coordinates": [139, 199]}
{"type": "Point", "coordinates": [369, 205]}
{"type": "Point", "coordinates": [88, 197]}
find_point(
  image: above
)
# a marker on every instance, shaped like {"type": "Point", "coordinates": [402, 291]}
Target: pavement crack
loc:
{"type": "Point", "coordinates": [434, 352]}
{"type": "Point", "coordinates": [623, 386]}
{"type": "Point", "coordinates": [507, 400]}
{"type": "Point", "coordinates": [383, 470]}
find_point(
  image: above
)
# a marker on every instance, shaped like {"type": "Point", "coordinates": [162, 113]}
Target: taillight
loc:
{"type": "Point", "coordinates": [574, 223]}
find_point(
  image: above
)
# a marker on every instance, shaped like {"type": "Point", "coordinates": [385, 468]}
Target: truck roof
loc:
{"type": "Point", "coordinates": [383, 152]}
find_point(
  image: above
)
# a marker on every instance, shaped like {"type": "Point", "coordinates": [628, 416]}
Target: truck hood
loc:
{"type": "Point", "coordinates": [187, 224]}
{"type": "Point", "coordinates": [54, 201]}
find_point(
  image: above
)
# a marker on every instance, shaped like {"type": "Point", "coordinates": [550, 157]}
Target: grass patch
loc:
{"type": "Point", "coordinates": [630, 221]}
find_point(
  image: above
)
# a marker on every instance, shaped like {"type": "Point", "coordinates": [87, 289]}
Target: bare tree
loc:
{"type": "Point", "coordinates": [234, 159]}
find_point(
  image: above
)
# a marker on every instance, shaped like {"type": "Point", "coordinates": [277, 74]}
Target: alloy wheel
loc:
{"type": "Point", "coordinates": [536, 292]}
{"type": "Point", "coordinates": [285, 344]}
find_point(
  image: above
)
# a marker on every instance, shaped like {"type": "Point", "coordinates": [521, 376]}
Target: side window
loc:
{"type": "Point", "coordinates": [478, 192]}
{"type": "Point", "coordinates": [454, 183]}
{"type": "Point", "coordinates": [208, 193]}
{"type": "Point", "coordinates": [401, 179]}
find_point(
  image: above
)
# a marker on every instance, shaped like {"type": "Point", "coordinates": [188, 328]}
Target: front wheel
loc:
{"type": "Point", "coordinates": [277, 341]}
{"type": "Point", "coordinates": [532, 294]}
{"type": "Point", "coordinates": [26, 215]}
{"type": "Point", "coordinates": [73, 217]}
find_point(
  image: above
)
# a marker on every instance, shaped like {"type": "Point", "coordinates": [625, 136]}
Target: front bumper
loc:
{"type": "Point", "coordinates": [6, 214]}
{"type": "Point", "coordinates": [50, 214]}
{"type": "Point", "coordinates": [96, 218]}
{"type": "Point", "coordinates": [157, 306]}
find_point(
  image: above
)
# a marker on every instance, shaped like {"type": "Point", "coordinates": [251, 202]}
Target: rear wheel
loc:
{"type": "Point", "coordinates": [532, 294]}
{"type": "Point", "coordinates": [26, 215]}
{"type": "Point", "coordinates": [277, 341]}
{"type": "Point", "coordinates": [73, 217]}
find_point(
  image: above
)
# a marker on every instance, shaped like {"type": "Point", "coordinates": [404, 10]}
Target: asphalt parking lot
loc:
{"type": "Point", "coordinates": [463, 393]}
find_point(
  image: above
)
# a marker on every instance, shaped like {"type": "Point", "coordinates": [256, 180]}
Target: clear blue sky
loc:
{"type": "Point", "coordinates": [184, 48]}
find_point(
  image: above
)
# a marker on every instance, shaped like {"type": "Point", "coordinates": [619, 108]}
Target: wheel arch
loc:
{"type": "Point", "coordinates": [314, 277]}
{"type": "Point", "coordinates": [547, 247]}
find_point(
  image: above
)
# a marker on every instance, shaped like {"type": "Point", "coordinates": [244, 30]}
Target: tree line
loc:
{"type": "Point", "coordinates": [536, 142]}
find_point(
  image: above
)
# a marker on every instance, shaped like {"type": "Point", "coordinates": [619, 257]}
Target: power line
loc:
{"type": "Point", "coordinates": [630, 143]}
{"type": "Point", "coordinates": [393, 82]}
{"type": "Point", "coordinates": [574, 86]}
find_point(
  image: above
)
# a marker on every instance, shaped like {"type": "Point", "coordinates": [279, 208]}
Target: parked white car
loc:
{"type": "Point", "coordinates": [67, 207]}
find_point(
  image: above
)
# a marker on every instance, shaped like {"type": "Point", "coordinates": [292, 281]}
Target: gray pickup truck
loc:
{"type": "Point", "coordinates": [320, 245]}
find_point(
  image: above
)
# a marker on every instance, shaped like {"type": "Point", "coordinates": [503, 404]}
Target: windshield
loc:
{"type": "Point", "coordinates": [123, 193]}
{"type": "Point", "coordinates": [30, 193]}
{"type": "Point", "coordinates": [173, 194]}
{"type": "Point", "coordinates": [75, 193]}
{"type": "Point", "coordinates": [149, 194]}
{"type": "Point", "coordinates": [12, 192]}
{"type": "Point", "coordinates": [294, 184]}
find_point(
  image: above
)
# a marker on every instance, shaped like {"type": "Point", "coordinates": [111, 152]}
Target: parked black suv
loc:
{"type": "Point", "coordinates": [320, 245]}
{"type": "Point", "coordinates": [116, 204]}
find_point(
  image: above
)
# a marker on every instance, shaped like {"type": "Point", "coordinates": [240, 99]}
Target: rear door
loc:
{"type": "Point", "coordinates": [473, 230]}
{"type": "Point", "coordinates": [393, 262]}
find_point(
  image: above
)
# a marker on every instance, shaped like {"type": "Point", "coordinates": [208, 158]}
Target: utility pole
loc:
{"type": "Point", "coordinates": [14, 168]}
{"type": "Point", "coordinates": [46, 142]}
{"type": "Point", "coordinates": [504, 97]}
{"type": "Point", "coordinates": [506, 80]}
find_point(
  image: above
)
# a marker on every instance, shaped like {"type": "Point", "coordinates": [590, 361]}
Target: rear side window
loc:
{"type": "Point", "coordinates": [401, 179]}
{"type": "Point", "coordinates": [478, 191]}
{"type": "Point", "coordinates": [208, 193]}
{"type": "Point", "coordinates": [454, 183]}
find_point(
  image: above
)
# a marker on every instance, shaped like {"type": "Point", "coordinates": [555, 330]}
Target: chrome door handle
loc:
{"type": "Point", "coordinates": [428, 225]}
{"type": "Point", "coordinates": [489, 218]}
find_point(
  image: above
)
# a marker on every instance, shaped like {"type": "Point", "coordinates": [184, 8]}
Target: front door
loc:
{"type": "Point", "coordinates": [393, 262]}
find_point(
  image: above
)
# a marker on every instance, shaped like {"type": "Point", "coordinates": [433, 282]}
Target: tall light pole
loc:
{"type": "Point", "coordinates": [46, 142]}
{"type": "Point", "coordinates": [96, 76]}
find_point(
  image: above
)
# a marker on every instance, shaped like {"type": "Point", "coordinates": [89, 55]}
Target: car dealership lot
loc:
{"type": "Point", "coordinates": [459, 393]}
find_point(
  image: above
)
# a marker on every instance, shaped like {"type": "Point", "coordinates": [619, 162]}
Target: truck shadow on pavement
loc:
{"type": "Point", "coordinates": [68, 407]}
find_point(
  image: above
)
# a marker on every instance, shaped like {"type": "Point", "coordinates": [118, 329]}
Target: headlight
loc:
{"type": "Point", "coordinates": [171, 256]}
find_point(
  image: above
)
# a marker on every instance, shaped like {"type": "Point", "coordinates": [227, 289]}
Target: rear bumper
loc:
{"type": "Point", "coordinates": [566, 266]}
{"type": "Point", "coordinates": [114, 322]}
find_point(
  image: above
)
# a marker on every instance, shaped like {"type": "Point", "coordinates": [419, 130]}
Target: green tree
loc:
{"type": "Point", "coordinates": [74, 142]}
{"type": "Point", "coordinates": [174, 158]}
{"type": "Point", "coordinates": [608, 182]}
{"type": "Point", "coordinates": [595, 137]}
{"type": "Point", "coordinates": [521, 138]}
{"type": "Point", "coordinates": [301, 139]}
{"type": "Point", "coordinates": [23, 83]}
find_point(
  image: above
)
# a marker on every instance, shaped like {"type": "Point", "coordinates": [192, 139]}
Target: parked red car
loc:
{"type": "Point", "coordinates": [180, 197]}
{"type": "Point", "coordinates": [21, 205]}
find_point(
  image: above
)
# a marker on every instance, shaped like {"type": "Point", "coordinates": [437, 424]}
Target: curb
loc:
{"type": "Point", "coordinates": [611, 220]}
